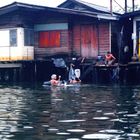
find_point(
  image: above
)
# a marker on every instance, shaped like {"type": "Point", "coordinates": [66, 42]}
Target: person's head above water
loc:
{"type": "Point", "coordinates": [53, 76]}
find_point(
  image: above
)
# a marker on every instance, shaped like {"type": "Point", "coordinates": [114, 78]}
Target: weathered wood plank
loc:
{"type": "Point", "coordinates": [10, 65]}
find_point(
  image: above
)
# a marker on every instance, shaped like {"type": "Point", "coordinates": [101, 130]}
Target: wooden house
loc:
{"type": "Point", "coordinates": [95, 35]}
{"type": "Point", "coordinates": [74, 28]}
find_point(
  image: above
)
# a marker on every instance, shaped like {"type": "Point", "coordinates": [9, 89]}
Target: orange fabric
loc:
{"type": "Point", "coordinates": [109, 57]}
{"type": "Point", "coordinates": [55, 38]}
{"type": "Point", "coordinates": [43, 39]}
{"type": "Point", "coordinates": [49, 39]}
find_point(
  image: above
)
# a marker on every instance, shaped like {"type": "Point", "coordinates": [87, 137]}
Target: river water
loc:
{"type": "Point", "coordinates": [97, 112]}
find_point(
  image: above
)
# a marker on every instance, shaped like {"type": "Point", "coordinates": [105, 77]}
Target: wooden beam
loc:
{"type": "Point", "coordinates": [10, 65]}
{"type": "Point", "coordinates": [133, 5]}
{"type": "Point", "coordinates": [111, 7]}
{"type": "Point", "coordinates": [125, 6]}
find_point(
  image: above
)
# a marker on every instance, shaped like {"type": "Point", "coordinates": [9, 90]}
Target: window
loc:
{"type": "Point", "coordinates": [13, 37]}
{"type": "Point", "coordinates": [28, 37]}
{"type": "Point", "coordinates": [49, 39]}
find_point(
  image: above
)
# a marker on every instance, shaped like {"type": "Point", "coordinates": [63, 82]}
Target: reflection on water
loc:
{"type": "Point", "coordinates": [69, 113]}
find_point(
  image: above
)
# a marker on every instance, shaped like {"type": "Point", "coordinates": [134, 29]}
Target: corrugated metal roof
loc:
{"type": "Point", "coordinates": [17, 5]}
{"type": "Point", "coordinates": [94, 6]}
{"type": "Point", "coordinates": [85, 6]}
{"type": "Point", "coordinates": [90, 14]}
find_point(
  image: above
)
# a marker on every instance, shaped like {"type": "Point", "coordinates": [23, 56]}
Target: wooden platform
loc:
{"type": "Point", "coordinates": [10, 65]}
{"type": "Point", "coordinates": [120, 73]}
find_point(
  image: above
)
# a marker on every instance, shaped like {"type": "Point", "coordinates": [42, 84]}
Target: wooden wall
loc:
{"type": "Point", "coordinates": [104, 38]}
{"type": "Point", "coordinates": [42, 53]}
{"type": "Point", "coordinates": [76, 40]}
{"type": "Point", "coordinates": [91, 40]}
{"type": "Point", "coordinates": [85, 36]}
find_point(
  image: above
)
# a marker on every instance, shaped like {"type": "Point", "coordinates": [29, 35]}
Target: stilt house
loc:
{"type": "Point", "coordinates": [74, 28]}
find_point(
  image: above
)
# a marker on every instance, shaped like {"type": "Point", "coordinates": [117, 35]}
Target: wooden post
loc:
{"type": "Point", "coordinates": [111, 7]}
{"type": "Point", "coordinates": [125, 6]}
{"type": "Point", "coordinates": [35, 71]}
{"type": "Point", "coordinates": [133, 5]}
{"type": "Point", "coordinates": [14, 78]}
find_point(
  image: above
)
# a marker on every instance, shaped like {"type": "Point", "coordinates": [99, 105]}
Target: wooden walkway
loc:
{"type": "Point", "coordinates": [123, 73]}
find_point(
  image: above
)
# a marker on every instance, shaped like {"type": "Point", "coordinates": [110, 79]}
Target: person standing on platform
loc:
{"type": "Point", "coordinates": [109, 58]}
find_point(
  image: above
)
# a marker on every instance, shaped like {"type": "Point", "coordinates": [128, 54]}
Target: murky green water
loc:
{"type": "Point", "coordinates": [32, 112]}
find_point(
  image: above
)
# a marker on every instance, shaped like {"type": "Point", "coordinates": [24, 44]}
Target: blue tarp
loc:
{"type": "Point", "coordinates": [59, 62]}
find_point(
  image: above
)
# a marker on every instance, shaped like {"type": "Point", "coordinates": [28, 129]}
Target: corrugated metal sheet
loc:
{"type": "Point", "coordinates": [94, 6]}
{"type": "Point", "coordinates": [86, 5]}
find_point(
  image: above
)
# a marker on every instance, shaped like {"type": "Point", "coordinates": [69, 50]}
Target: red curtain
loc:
{"type": "Point", "coordinates": [49, 39]}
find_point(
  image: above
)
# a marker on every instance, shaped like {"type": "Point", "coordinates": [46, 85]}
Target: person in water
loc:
{"type": "Point", "coordinates": [54, 81]}
{"type": "Point", "coordinates": [76, 80]}
{"type": "Point", "coordinates": [73, 78]}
